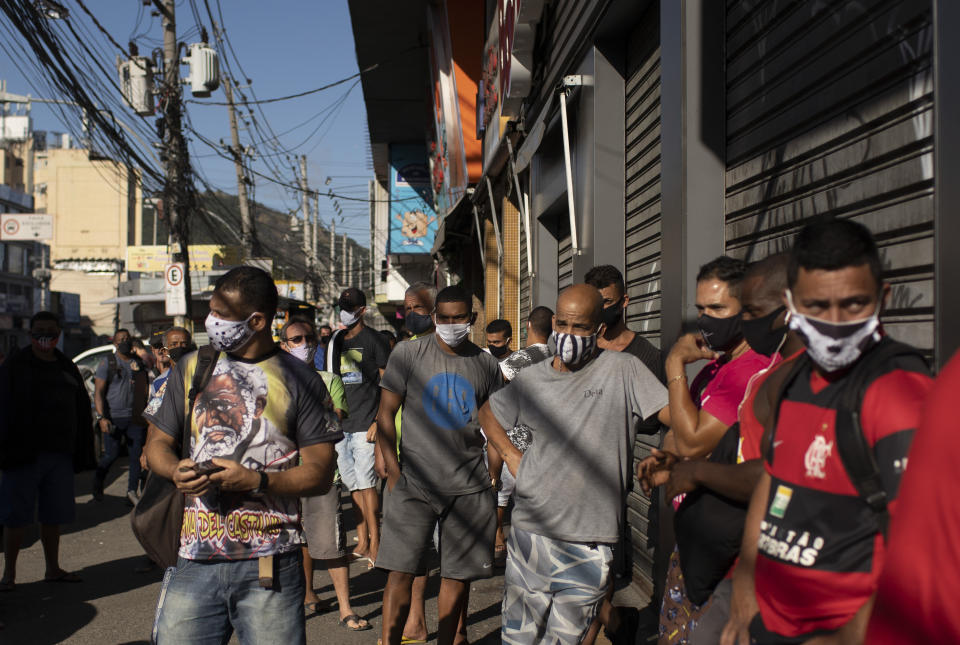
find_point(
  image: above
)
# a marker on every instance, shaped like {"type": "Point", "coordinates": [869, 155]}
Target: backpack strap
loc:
{"type": "Point", "coordinates": [207, 358]}
{"type": "Point", "coordinates": [855, 452]}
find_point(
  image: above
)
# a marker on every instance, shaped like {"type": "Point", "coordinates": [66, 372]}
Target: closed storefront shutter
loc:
{"type": "Point", "coordinates": [830, 112]}
{"type": "Point", "coordinates": [524, 287]}
{"type": "Point", "coordinates": [564, 262]}
{"type": "Point", "coordinates": [642, 235]}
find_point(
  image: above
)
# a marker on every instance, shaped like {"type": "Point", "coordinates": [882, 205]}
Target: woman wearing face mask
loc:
{"type": "Point", "coordinates": [320, 516]}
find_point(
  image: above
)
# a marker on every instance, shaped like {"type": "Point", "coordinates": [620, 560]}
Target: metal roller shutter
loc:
{"type": "Point", "coordinates": [830, 111]}
{"type": "Point", "coordinates": [524, 307]}
{"type": "Point", "coordinates": [564, 262]}
{"type": "Point", "coordinates": [642, 231]}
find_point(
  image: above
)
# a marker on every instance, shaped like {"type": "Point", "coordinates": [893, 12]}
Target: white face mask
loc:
{"type": "Point", "coordinates": [304, 352]}
{"type": "Point", "coordinates": [453, 334]}
{"type": "Point", "coordinates": [228, 335]}
{"type": "Point", "coordinates": [349, 319]}
{"type": "Point", "coordinates": [572, 349]}
{"type": "Point", "coordinates": [834, 346]}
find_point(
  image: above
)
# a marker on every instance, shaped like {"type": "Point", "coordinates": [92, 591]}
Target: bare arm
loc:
{"type": "Point", "coordinates": [735, 481]}
{"type": "Point", "coordinates": [494, 462]}
{"type": "Point", "coordinates": [390, 402]}
{"type": "Point", "coordinates": [99, 394]}
{"type": "Point", "coordinates": [497, 436]}
{"type": "Point", "coordinates": [743, 604]}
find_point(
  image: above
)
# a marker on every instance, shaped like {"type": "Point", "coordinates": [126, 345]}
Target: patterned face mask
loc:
{"type": "Point", "coordinates": [304, 352]}
{"type": "Point", "coordinates": [834, 346]}
{"type": "Point", "coordinates": [572, 349]}
{"type": "Point", "coordinates": [228, 335]}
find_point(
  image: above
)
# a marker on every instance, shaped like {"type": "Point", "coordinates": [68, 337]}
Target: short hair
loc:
{"type": "Point", "coordinates": [832, 244]}
{"type": "Point", "coordinates": [605, 275]}
{"type": "Point", "coordinates": [255, 287]}
{"type": "Point", "coordinates": [351, 298]}
{"type": "Point", "coordinates": [388, 335]}
{"type": "Point", "coordinates": [772, 270]}
{"type": "Point", "coordinates": [420, 287]}
{"type": "Point", "coordinates": [500, 326]}
{"type": "Point", "coordinates": [725, 269]}
{"type": "Point", "coordinates": [121, 330]}
{"type": "Point", "coordinates": [136, 342]}
{"type": "Point", "coordinates": [49, 316]}
{"type": "Point", "coordinates": [297, 320]}
{"type": "Point", "coordinates": [326, 326]}
{"type": "Point", "coordinates": [541, 320]}
{"type": "Point", "coordinates": [454, 293]}
{"type": "Point", "coordinates": [173, 330]}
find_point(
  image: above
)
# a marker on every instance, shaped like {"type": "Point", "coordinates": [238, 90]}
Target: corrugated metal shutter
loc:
{"type": "Point", "coordinates": [524, 286]}
{"type": "Point", "coordinates": [642, 231]}
{"type": "Point", "coordinates": [564, 262]}
{"type": "Point", "coordinates": [830, 111]}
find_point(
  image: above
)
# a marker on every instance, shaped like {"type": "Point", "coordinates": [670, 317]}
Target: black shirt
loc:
{"type": "Point", "coordinates": [358, 361]}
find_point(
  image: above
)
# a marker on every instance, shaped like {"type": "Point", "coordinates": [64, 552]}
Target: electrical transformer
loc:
{"type": "Point", "coordinates": [204, 70]}
{"type": "Point", "coordinates": [136, 83]}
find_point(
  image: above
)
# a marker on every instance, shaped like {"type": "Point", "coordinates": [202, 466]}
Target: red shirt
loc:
{"type": "Point", "coordinates": [820, 552]}
{"type": "Point", "coordinates": [920, 584]}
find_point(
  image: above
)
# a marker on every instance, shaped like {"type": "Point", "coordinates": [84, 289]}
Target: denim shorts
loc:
{"type": "Point", "coordinates": [49, 481]}
{"type": "Point", "coordinates": [355, 460]}
{"type": "Point", "coordinates": [203, 603]}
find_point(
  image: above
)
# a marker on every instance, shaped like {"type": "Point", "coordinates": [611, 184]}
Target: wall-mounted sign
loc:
{"type": "Point", "coordinates": [26, 226]}
{"type": "Point", "coordinates": [413, 221]}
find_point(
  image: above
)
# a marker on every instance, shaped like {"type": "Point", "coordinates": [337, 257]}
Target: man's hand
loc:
{"type": "Point", "coordinates": [691, 348]}
{"type": "Point", "coordinates": [187, 480]}
{"type": "Point", "coordinates": [512, 460]}
{"type": "Point", "coordinates": [143, 461]}
{"type": "Point", "coordinates": [234, 477]}
{"type": "Point", "coordinates": [372, 433]}
{"type": "Point", "coordinates": [654, 470]}
{"type": "Point", "coordinates": [105, 426]}
{"type": "Point", "coordinates": [392, 475]}
{"type": "Point", "coordinates": [743, 607]}
{"type": "Point", "coordinates": [682, 478]}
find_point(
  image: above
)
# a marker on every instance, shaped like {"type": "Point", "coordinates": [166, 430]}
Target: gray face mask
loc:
{"type": "Point", "coordinates": [834, 346]}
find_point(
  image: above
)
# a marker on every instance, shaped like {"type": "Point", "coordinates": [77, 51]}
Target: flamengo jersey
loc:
{"type": "Point", "coordinates": [820, 551]}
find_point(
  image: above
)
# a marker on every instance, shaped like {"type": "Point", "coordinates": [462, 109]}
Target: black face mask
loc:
{"type": "Point", "coordinates": [417, 323]}
{"type": "Point", "coordinates": [324, 340]}
{"type": "Point", "coordinates": [760, 335]}
{"type": "Point", "coordinates": [613, 314]}
{"type": "Point", "coordinates": [499, 351]}
{"type": "Point", "coordinates": [177, 353]}
{"type": "Point", "coordinates": [720, 334]}
{"type": "Point", "coordinates": [125, 347]}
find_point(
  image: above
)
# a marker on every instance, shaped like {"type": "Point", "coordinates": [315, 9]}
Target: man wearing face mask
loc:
{"type": "Point", "coordinates": [261, 435]}
{"type": "Point", "coordinates": [44, 415]}
{"type": "Point", "coordinates": [582, 409]}
{"type": "Point", "coordinates": [839, 419]}
{"type": "Point", "coordinates": [320, 358]}
{"type": "Point", "coordinates": [441, 380]}
{"type": "Point", "coordinates": [358, 355]}
{"type": "Point", "coordinates": [499, 335]}
{"type": "Point", "coordinates": [120, 395]}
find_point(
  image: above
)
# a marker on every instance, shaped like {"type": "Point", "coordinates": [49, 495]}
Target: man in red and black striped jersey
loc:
{"type": "Point", "coordinates": [813, 547]}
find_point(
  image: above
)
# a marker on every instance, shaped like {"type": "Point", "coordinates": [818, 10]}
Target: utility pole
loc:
{"type": "Point", "coordinates": [176, 151]}
{"type": "Point", "coordinates": [307, 236]}
{"type": "Point", "coordinates": [333, 267]}
{"type": "Point", "coordinates": [315, 244]}
{"type": "Point", "coordinates": [343, 263]}
{"type": "Point", "coordinates": [248, 233]}
{"type": "Point", "coordinates": [352, 273]}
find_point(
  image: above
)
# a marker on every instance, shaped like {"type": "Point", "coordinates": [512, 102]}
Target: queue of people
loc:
{"type": "Point", "coordinates": [784, 459]}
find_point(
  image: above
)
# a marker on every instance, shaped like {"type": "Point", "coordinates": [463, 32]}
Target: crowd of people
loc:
{"type": "Point", "coordinates": [784, 459]}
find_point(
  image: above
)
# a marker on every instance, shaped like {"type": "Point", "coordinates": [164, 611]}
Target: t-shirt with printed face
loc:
{"type": "Point", "coordinates": [442, 446]}
{"type": "Point", "coordinates": [512, 364]}
{"type": "Point", "coordinates": [259, 414]}
{"type": "Point", "coordinates": [361, 359]}
{"type": "Point", "coordinates": [119, 393]}
{"type": "Point", "coordinates": [573, 479]}
{"type": "Point", "coordinates": [157, 388]}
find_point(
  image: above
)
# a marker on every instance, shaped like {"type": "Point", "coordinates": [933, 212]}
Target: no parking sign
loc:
{"type": "Point", "coordinates": [174, 290]}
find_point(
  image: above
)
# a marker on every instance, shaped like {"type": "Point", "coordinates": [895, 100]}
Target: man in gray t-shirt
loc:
{"type": "Point", "coordinates": [441, 380]}
{"type": "Point", "coordinates": [582, 408]}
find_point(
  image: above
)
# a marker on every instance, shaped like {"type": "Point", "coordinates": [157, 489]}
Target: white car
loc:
{"type": "Point", "coordinates": [87, 363]}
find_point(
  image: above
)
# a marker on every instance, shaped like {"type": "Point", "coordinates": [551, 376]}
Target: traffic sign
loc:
{"type": "Point", "coordinates": [26, 226]}
{"type": "Point", "coordinates": [175, 290]}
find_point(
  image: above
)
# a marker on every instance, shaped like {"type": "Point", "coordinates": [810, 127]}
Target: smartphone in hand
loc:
{"type": "Point", "coordinates": [203, 468]}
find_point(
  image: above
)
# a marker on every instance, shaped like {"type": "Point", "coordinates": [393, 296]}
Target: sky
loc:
{"type": "Point", "coordinates": [284, 47]}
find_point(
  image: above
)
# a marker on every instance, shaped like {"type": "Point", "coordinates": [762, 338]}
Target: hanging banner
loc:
{"type": "Point", "coordinates": [413, 221]}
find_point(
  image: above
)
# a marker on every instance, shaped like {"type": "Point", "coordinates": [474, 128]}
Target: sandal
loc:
{"type": "Point", "coordinates": [353, 618]}
{"type": "Point", "coordinates": [311, 608]}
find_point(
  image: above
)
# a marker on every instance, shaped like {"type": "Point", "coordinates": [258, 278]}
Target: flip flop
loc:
{"type": "Point", "coordinates": [311, 607]}
{"type": "Point", "coordinates": [65, 577]}
{"type": "Point", "coordinates": [356, 620]}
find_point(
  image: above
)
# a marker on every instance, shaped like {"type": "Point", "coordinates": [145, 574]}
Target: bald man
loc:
{"type": "Point", "coordinates": [580, 410]}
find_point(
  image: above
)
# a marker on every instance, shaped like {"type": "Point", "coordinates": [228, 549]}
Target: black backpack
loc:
{"type": "Point", "coordinates": [856, 455]}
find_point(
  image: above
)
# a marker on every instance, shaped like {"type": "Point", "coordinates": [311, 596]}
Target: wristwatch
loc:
{"type": "Point", "coordinates": [262, 487]}
{"type": "Point", "coordinates": [98, 416]}
{"type": "Point", "coordinates": [496, 484]}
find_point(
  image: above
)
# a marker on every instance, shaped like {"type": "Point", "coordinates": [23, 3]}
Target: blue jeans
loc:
{"type": "Point", "coordinates": [136, 437]}
{"type": "Point", "coordinates": [202, 603]}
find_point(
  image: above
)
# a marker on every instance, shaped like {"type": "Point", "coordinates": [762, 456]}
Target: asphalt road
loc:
{"type": "Point", "coordinates": [115, 602]}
